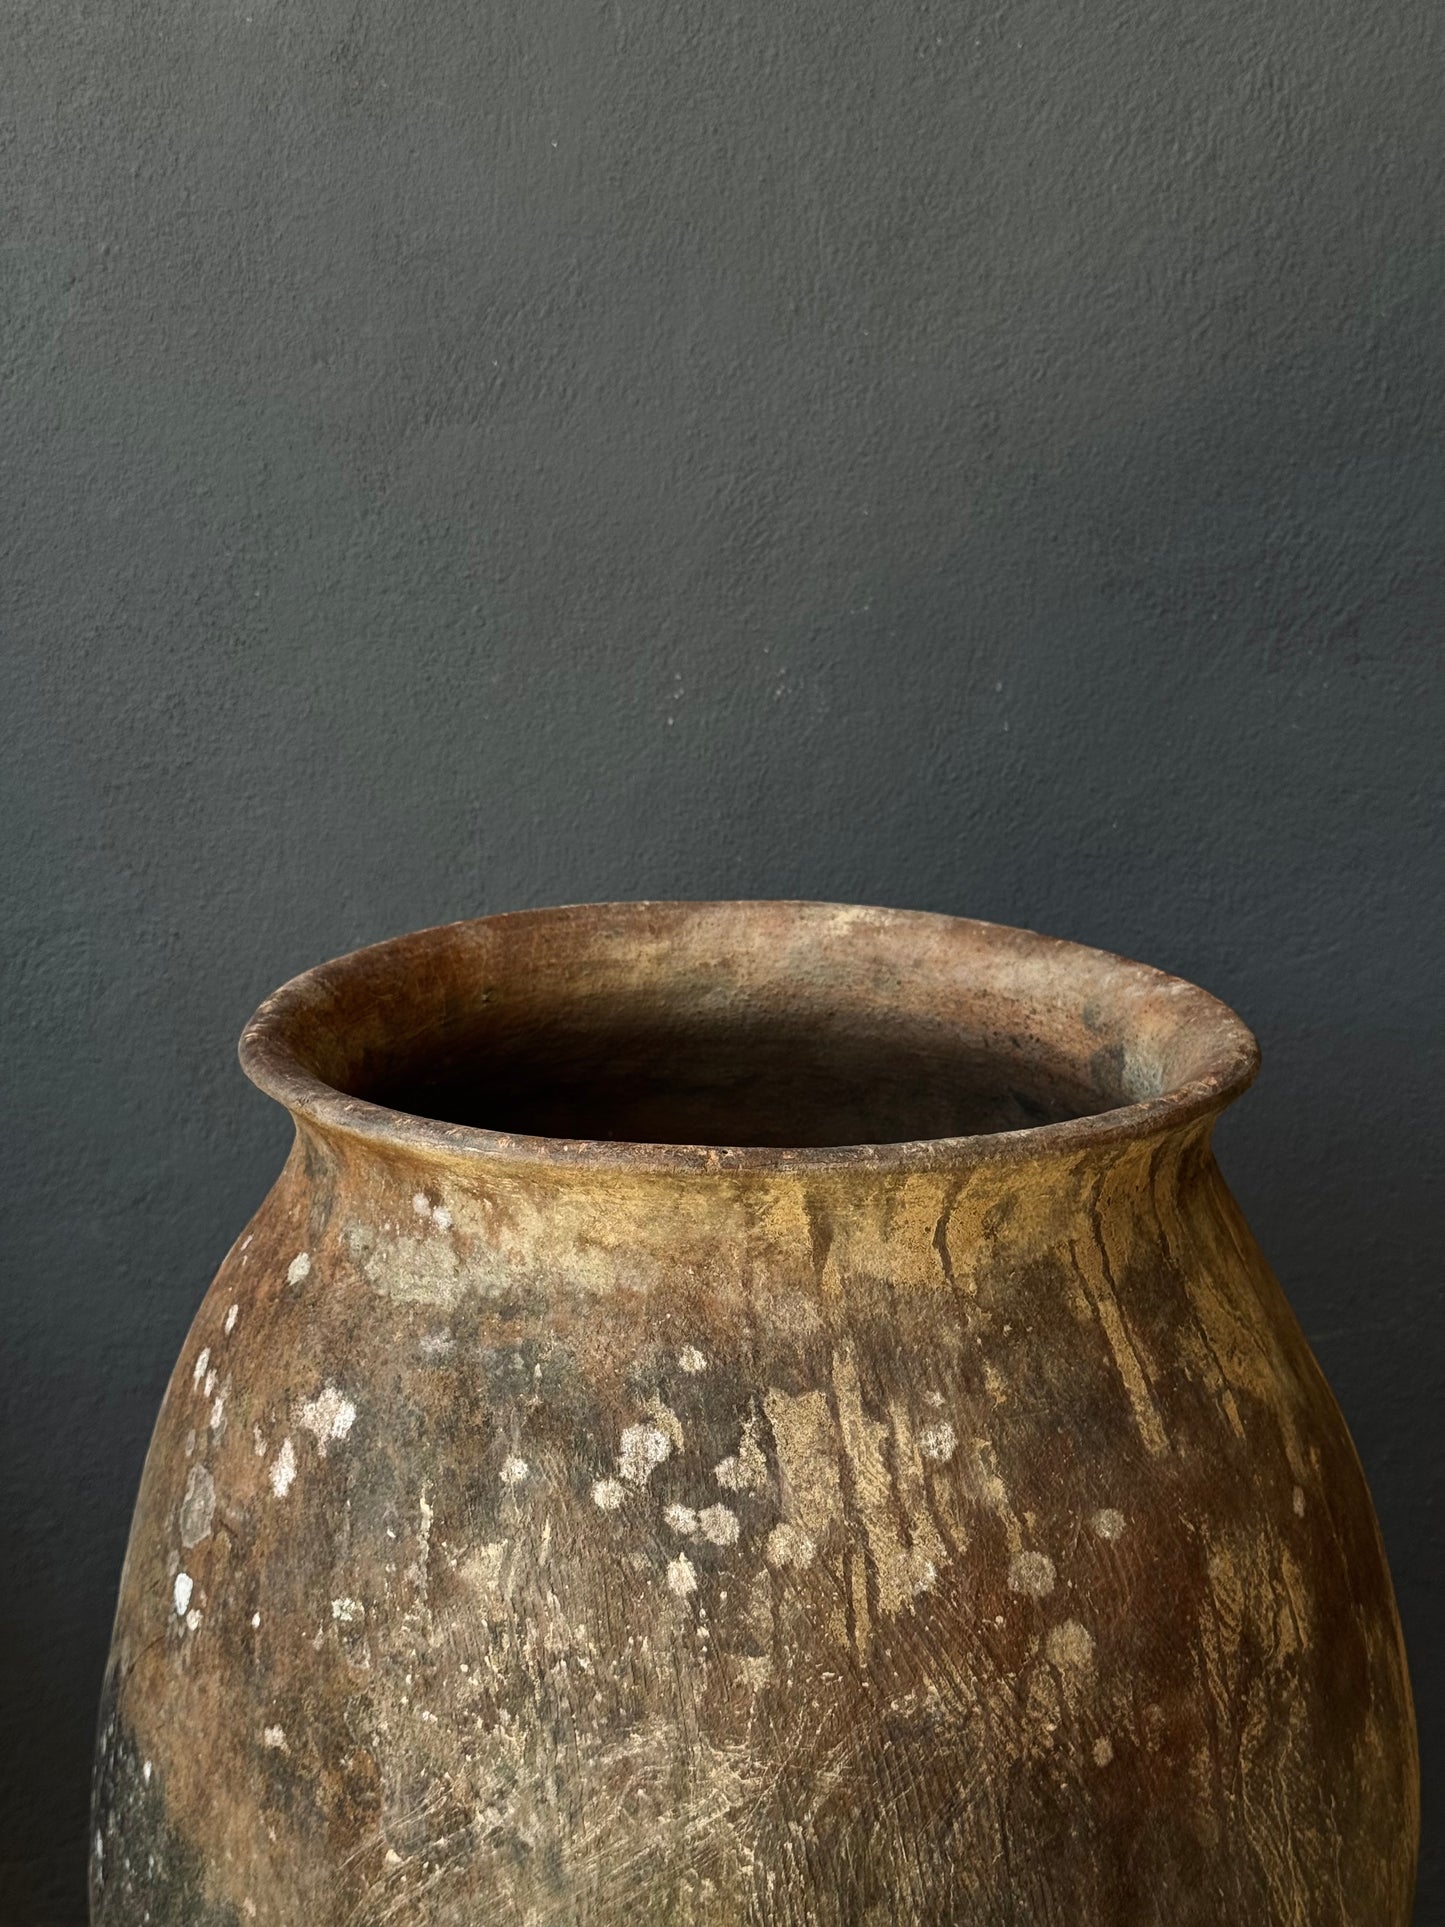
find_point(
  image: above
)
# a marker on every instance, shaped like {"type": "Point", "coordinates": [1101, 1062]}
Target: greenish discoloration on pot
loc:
{"type": "Point", "coordinates": [915, 1531]}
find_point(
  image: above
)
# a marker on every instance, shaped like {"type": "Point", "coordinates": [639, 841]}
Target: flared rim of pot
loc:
{"type": "Point", "coordinates": [748, 1035]}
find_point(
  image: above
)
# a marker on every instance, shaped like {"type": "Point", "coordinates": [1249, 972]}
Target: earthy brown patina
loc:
{"type": "Point", "coordinates": [751, 1413]}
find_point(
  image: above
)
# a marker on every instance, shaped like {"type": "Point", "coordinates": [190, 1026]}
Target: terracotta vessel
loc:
{"type": "Point", "coordinates": [751, 1413]}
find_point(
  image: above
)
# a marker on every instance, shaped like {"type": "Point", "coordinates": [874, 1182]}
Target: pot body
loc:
{"type": "Point", "coordinates": [542, 1544]}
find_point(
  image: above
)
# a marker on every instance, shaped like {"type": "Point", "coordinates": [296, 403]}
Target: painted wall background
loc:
{"type": "Point", "coordinates": [984, 457]}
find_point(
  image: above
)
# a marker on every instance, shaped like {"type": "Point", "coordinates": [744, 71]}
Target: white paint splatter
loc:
{"type": "Point", "coordinates": [1031, 1573]}
{"type": "Point", "coordinates": [181, 1593]}
{"type": "Point", "coordinates": [328, 1416]}
{"type": "Point", "coordinates": [608, 1494]}
{"type": "Point", "coordinates": [514, 1471]}
{"type": "Point", "coordinates": [691, 1359]}
{"type": "Point", "coordinates": [255, 1620]}
{"type": "Point", "coordinates": [681, 1577]}
{"type": "Point", "coordinates": [441, 1218]}
{"type": "Point", "coordinates": [275, 1737]}
{"type": "Point", "coordinates": [231, 1316]}
{"type": "Point", "coordinates": [1108, 1523]}
{"type": "Point", "coordinates": [682, 1519]}
{"type": "Point", "coordinates": [349, 1612]}
{"type": "Point", "coordinates": [719, 1525]}
{"type": "Point", "coordinates": [938, 1441]}
{"type": "Point", "coordinates": [421, 1204]}
{"type": "Point", "coordinates": [201, 1363]}
{"type": "Point", "coordinates": [790, 1546]}
{"type": "Point", "coordinates": [283, 1469]}
{"type": "Point", "coordinates": [299, 1268]}
{"type": "Point", "coordinates": [1071, 1646]}
{"type": "Point", "coordinates": [644, 1447]}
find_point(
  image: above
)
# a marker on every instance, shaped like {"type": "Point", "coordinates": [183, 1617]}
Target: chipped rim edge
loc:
{"type": "Point", "coordinates": [269, 1060]}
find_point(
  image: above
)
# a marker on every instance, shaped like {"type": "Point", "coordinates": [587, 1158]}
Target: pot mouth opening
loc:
{"type": "Point", "coordinates": [673, 1035]}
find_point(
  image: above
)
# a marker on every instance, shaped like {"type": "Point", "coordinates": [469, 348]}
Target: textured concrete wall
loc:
{"type": "Point", "coordinates": [985, 458]}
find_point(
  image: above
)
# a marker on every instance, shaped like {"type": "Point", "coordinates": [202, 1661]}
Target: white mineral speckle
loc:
{"type": "Point", "coordinates": [198, 1507]}
{"type": "Point", "coordinates": [181, 1593]}
{"type": "Point", "coordinates": [608, 1493]}
{"type": "Point", "coordinates": [193, 1619]}
{"type": "Point", "coordinates": [681, 1578]}
{"type": "Point", "coordinates": [350, 1612]}
{"type": "Point", "coordinates": [299, 1268]}
{"type": "Point", "coordinates": [274, 1736]}
{"type": "Point", "coordinates": [327, 1416]}
{"type": "Point", "coordinates": [258, 1441]}
{"type": "Point", "coordinates": [210, 1383]}
{"type": "Point", "coordinates": [1071, 1646]}
{"type": "Point", "coordinates": [145, 1771]}
{"type": "Point", "coordinates": [747, 1469]}
{"type": "Point", "coordinates": [1298, 1501]}
{"type": "Point", "coordinates": [283, 1469]}
{"type": "Point", "coordinates": [255, 1620]}
{"type": "Point", "coordinates": [691, 1359]}
{"type": "Point", "coordinates": [718, 1524]}
{"type": "Point", "coordinates": [1103, 1752]}
{"type": "Point", "coordinates": [682, 1519]}
{"type": "Point", "coordinates": [441, 1217]}
{"type": "Point", "coordinates": [938, 1441]}
{"type": "Point", "coordinates": [789, 1546]}
{"type": "Point", "coordinates": [1031, 1573]}
{"type": "Point", "coordinates": [201, 1363]}
{"type": "Point", "coordinates": [644, 1447]}
{"type": "Point", "coordinates": [421, 1204]}
{"type": "Point", "coordinates": [1108, 1523]}
{"type": "Point", "coordinates": [514, 1470]}
{"type": "Point", "coordinates": [231, 1316]}
{"type": "Point", "coordinates": [218, 1411]}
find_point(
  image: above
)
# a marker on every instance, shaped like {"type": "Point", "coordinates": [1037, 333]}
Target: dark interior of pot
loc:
{"type": "Point", "coordinates": [755, 1080]}
{"type": "Point", "coordinates": [737, 1025]}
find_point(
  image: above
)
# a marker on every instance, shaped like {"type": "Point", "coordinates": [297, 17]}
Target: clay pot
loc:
{"type": "Point", "coordinates": [751, 1412]}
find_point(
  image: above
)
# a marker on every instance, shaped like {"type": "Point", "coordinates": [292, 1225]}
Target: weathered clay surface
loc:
{"type": "Point", "coordinates": [951, 1530]}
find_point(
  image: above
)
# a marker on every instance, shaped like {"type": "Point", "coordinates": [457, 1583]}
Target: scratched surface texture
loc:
{"type": "Point", "coordinates": [576, 1532]}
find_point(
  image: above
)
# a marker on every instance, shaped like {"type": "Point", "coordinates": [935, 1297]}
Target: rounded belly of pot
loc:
{"type": "Point", "coordinates": [1046, 1589]}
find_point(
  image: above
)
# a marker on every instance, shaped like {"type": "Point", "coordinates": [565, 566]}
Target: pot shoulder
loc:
{"type": "Point", "coordinates": [988, 1551]}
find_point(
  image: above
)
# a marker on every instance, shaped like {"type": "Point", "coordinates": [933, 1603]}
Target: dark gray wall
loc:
{"type": "Point", "coordinates": [981, 457]}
